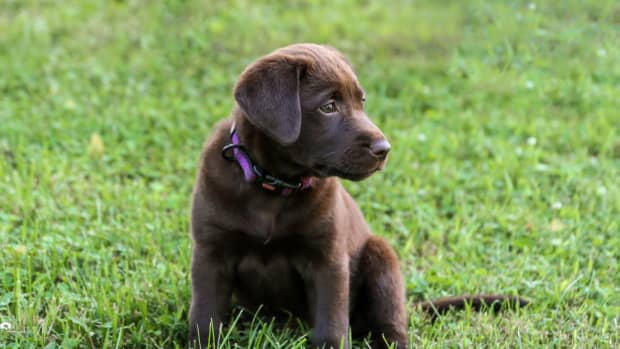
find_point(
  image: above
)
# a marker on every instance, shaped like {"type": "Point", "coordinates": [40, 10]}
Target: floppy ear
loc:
{"type": "Point", "coordinates": [268, 93]}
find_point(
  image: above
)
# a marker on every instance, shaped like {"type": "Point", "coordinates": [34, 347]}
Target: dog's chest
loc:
{"type": "Point", "coordinates": [264, 224]}
{"type": "Point", "coordinates": [272, 281]}
{"type": "Point", "coordinates": [265, 268]}
{"type": "Point", "coordinates": [268, 221]}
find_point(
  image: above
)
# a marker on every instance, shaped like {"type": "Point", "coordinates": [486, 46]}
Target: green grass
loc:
{"type": "Point", "coordinates": [504, 118]}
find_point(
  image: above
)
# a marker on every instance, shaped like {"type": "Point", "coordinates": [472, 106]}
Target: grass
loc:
{"type": "Point", "coordinates": [503, 115]}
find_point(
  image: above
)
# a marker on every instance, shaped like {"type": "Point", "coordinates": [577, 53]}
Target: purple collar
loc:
{"type": "Point", "coordinates": [255, 174]}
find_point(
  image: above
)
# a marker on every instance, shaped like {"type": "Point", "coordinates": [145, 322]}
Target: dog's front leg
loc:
{"type": "Point", "coordinates": [211, 296]}
{"type": "Point", "coordinates": [330, 306]}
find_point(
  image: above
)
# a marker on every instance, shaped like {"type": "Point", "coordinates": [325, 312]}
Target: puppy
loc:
{"type": "Point", "coordinates": [271, 222]}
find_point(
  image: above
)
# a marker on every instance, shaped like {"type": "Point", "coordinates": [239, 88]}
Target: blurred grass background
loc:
{"type": "Point", "coordinates": [503, 115]}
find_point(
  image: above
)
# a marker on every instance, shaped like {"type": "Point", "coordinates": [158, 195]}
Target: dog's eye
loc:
{"type": "Point", "coordinates": [328, 108]}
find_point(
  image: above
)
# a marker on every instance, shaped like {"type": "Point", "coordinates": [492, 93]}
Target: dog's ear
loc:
{"type": "Point", "coordinates": [268, 93]}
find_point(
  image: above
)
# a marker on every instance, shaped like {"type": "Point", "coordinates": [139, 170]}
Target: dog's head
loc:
{"type": "Point", "coordinates": [307, 99]}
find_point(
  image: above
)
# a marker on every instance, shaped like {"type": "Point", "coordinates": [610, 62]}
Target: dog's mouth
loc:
{"type": "Point", "coordinates": [323, 171]}
{"type": "Point", "coordinates": [352, 176]}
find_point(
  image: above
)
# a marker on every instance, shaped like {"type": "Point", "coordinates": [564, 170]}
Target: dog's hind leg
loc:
{"type": "Point", "coordinates": [381, 297]}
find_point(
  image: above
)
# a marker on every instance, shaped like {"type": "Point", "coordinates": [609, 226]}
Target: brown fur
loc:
{"type": "Point", "coordinates": [310, 253]}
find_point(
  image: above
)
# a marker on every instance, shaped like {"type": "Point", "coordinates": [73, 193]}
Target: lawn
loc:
{"type": "Point", "coordinates": [504, 118]}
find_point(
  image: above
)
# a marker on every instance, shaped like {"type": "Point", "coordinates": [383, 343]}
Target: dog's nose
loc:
{"type": "Point", "coordinates": [380, 148]}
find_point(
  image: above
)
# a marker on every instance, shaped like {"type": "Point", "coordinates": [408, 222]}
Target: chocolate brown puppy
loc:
{"type": "Point", "coordinates": [271, 222]}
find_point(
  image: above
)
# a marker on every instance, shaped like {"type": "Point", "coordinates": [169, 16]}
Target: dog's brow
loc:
{"type": "Point", "coordinates": [360, 93]}
{"type": "Point", "coordinates": [354, 90]}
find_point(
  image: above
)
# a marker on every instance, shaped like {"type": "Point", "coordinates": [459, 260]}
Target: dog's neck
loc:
{"type": "Point", "coordinates": [267, 153]}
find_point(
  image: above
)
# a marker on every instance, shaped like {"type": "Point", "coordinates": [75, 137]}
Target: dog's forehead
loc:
{"type": "Point", "coordinates": [328, 67]}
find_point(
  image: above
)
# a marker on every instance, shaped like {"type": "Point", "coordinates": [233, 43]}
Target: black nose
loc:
{"type": "Point", "coordinates": [380, 148]}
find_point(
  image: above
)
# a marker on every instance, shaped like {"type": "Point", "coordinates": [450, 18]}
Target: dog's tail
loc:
{"type": "Point", "coordinates": [493, 303]}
